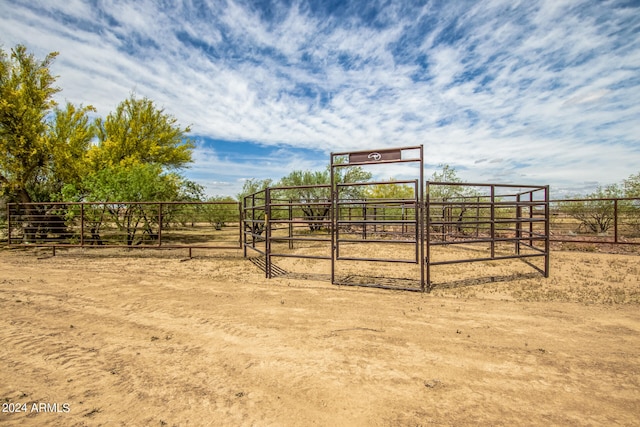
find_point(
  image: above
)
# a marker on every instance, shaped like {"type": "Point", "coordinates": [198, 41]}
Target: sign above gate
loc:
{"type": "Point", "coordinates": [375, 156]}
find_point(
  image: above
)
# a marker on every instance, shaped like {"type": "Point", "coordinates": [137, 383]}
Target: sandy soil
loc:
{"type": "Point", "coordinates": [149, 338]}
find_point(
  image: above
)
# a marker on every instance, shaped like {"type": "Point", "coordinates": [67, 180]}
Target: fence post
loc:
{"type": "Point", "coordinates": [547, 247]}
{"type": "Point", "coordinates": [615, 220]}
{"type": "Point", "coordinates": [267, 232]}
{"type": "Point", "coordinates": [518, 223]}
{"type": "Point", "coordinates": [493, 221]}
{"type": "Point", "coordinates": [241, 227]}
{"type": "Point", "coordinates": [159, 224]}
{"type": "Point", "coordinates": [9, 224]}
{"type": "Point", "coordinates": [290, 224]}
{"type": "Point", "coordinates": [427, 239]}
{"type": "Point", "coordinates": [82, 224]}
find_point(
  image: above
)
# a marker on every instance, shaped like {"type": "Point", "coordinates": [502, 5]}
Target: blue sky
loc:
{"type": "Point", "coordinates": [530, 92]}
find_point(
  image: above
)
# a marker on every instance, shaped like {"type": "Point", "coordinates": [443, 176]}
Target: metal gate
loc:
{"type": "Point", "coordinates": [391, 224]}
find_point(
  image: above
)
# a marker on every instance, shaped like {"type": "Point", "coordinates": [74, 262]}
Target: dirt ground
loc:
{"type": "Point", "coordinates": [110, 337]}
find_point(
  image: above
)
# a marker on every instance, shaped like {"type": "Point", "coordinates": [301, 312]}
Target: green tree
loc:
{"type": "Point", "coordinates": [315, 196]}
{"type": "Point", "coordinates": [631, 208]}
{"type": "Point", "coordinates": [117, 187]}
{"type": "Point", "coordinates": [26, 98]}
{"type": "Point", "coordinates": [138, 132]}
{"type": "Point", "coordinates": [222, 209]}
{"type": "Point", "coordinates": [631, 186]}
{"type": "Point", "coordinates": [67, 139]}
{"type": "Point", "coordinates": [253, 207]}
{"type": "Point", "coordinates": [596, 213]}
{"type": "Point", "coordinates": [253, 185]}
{"type": "Point", "coordinates": [447, 174]}
{"type": "Point", "coordinates": [391, 191]}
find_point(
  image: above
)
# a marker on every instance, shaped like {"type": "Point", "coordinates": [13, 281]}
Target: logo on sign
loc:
{"type": "Point", "coordinates": [375, 156]}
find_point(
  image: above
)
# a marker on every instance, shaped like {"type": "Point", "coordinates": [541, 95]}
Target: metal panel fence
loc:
{"type": "Point", "coordinates": [505, 221]}
{"type": "Point", "coordinates": [496, 221]}
{"type": "Point", "coordinates": [596, 221]}
{"type": "Point", "coordinates": [203, 225]}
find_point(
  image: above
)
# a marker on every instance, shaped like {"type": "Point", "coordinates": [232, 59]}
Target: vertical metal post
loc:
{"type": "Point", "coordinates": [364, 221]}
{"type": "Point", "coordinates": [159, 224]}
{"type": "Point", "coordinates": [531, 218]}
{"type": "Point", "coordinates": [416, 204]}
{"type": "Point", "coordinates": [375, 219]}
{"type": "Point", "coordinates": [427, 217]}
{"type": "Point", "coordinates": [253, 218]}
{"type": "Point", "coordinates": [518, 224]}
{"type": "Point", "coordinates": [241, 227]}
{"type": "Point", "coordinates": [9, 224]}
{"type": "Point", "coordinates": [615, 220]}
{"type": "Point", "coordinates": [546, 231]}
{"type": "Point", "coordinates": [336, 206]}
{"type": "Point", "coordinates": [493, 221]}
{"type": "Point", "coordinates": [477, 217]}
{"type": "Point", "coordinates": [420, 208]}
{"type": "Point", "coordinates": [267, 228]}
{"type": "Point", "coordinates": [290, 224]}
{"type": "Point", "coordinates": [82, 224]}
{"type": "Point", "coordinates": [333, 220]}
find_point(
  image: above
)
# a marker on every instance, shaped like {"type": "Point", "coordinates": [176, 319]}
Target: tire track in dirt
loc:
{"type": "Point", "coordinates": [126, 373]}
{"type": "Point", "coordinates": [201, 343]}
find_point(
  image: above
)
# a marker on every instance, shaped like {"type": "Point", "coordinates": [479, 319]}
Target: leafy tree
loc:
{"type": "Point", "coordinates": [113, 185]}
{"type": "Point", "coordinates": [631, 208]}
{"type": "Point", "coordinates": [391, 191]}
{"type": "Point", "coordinates": [453, 202]}
{"type": "Point", "coordinates": [594, 214]}
{"type": "Point", "coordinates": [138, 133]}
{"type": "Point", "coordinates": [43, 147]}
{"type": "Point", "coordinates": [316, 200]}
{"type": "Point", "coordinates": [253, 209]}
{"type": "Point", "coordinates": [631, 186]}
{"type": "Point", "coordinates": [221, 211]}
{"type": "Point", "coordinates": [67, 139]}
{"type": "Point", "coordinates": [447, 174]}
{"type": "Point", "coordinates": [253, 185]}
{"type": "Point", "coordinates": [26, 98]}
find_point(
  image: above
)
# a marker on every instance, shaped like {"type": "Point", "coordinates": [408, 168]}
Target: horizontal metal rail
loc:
{"type": "Point", "coordinates": [495, 258]}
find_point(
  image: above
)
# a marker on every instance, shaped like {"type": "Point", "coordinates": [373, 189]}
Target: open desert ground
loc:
{"type": "Point", "coordinates": [115, 337]}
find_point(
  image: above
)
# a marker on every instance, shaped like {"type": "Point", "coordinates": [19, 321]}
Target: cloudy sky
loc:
{"type": "Point", "coordinates": [525, 92]}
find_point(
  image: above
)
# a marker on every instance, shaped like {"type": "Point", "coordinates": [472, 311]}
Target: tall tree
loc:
{"type": "Point", "coordinates": [26, 98]}
{"type": "Point", "coordinates": [391, 190]}
{"type": "Point", "coordinates": [316, 200]}
{"type": "Point", "coordinates": [67, 140]}
{"type": "Point", "coordinates": [254, 208]}
{"type": "Point", "coordinates": [138, 132]}
{"type": "Point", "coordinates": [596, 213]}
{"type": "Point", "coordinates": [632, 186]}
{"type": "Point", "coordinates": [447, 174]}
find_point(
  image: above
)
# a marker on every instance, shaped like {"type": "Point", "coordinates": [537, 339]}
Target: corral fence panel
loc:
{"type": "Point", "coordinates": [168, 225]}
{"type": "Point", "coordinates": [596, 221]}
{"type": "Point", "coordinates": [486, 223]}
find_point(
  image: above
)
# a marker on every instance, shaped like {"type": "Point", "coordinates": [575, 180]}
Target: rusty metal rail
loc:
{"type": "Point", "coordinates": [134, 225]}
